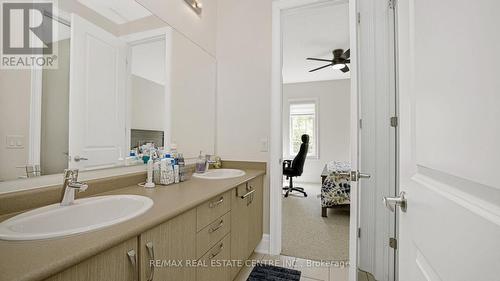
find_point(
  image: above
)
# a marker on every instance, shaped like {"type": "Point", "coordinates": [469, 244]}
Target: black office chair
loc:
{"type": "Point", "coordinates": [296, 167]}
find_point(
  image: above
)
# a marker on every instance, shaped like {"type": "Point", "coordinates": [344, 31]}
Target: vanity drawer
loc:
{"type": "Point", "coordinates": [213, 261]}
{"type": "Point", "coordinates": [212, 209]}
{"type": "Point", "coordinates": [208, 236]}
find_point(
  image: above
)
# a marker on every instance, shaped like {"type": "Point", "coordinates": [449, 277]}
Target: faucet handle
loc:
{"type": "Point", "coordinates": [71, 174]}
{"type": "Point", "coordinates": [81, 186]}
{"type": "Point", "coordinates": [75, 174]}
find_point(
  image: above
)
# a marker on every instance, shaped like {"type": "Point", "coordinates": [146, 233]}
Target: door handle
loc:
{"type": "Point", "coordinates": [363, 176]}
{"type": "Point", "coordinates": [216, 203]}
{"type": "Point", "coordinates": [392, 202]}
{"type": "Point", "coordinates": [78, 158]}
{"type": "Point", "coordinates": [151, 253]}
{"type": "Point", "coordinates": [221, 247]}
{"type": "Point", "coordinates": [214, 229]}
{"type": "Point", "coordinates": [247, 194]}
{"type": "Point", "coordinates": [354, 175]}
{"type": "Point", "coordinates": [133, 260]}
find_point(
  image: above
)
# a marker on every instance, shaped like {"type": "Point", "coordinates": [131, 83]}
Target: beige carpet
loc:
{"type": "Point", "coordinates": [306, 234]}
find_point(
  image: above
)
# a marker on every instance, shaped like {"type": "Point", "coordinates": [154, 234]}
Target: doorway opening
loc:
{"type": "Point", "coordinates": [371, 142]}
{"type": "Point", "coordinates": [316, 103]}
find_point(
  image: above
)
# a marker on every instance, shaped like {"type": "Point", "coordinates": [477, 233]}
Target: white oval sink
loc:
{"type": "Point", "coordinates": [217, 174]}
{"type": "Point", "coordinates": [84, 215]}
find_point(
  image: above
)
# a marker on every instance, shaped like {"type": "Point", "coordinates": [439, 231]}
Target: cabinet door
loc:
{"type": "Point", "coordinates": [255, 216]}
{"type": "Point", "coordinates": [239, 227]}
{"type": "Point", "coordinates": [166, 248]}
{"type": "Point", "coordinates": [111, 265]}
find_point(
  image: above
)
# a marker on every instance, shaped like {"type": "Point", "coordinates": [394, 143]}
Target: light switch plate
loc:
{"type": "Point", "coordinates": [264, 145]}
{"type": "Point", "coordinates": [15, 142]}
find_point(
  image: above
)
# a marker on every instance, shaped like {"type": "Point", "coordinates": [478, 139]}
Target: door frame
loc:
{"type": "Point", "coordinates": [356, 7]}
{"type": "Point", "coordinates": [276, 150]}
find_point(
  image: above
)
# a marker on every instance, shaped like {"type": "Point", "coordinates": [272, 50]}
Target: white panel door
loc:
{"type": "Point", "coordinates": [377, 138]}
{"type": "Point", "coordinates": [449, 140]}
{"type": "Point", "coordinates": [97, 96]}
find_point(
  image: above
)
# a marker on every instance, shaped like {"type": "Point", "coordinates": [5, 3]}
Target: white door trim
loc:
{"type": "Point", "coordinates": [275, 158]}
{"type": "Point", "coordinates": [35, 127]}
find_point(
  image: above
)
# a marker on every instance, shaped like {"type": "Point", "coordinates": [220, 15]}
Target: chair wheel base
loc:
{"type": "Point", "coordinates": [298, 189]}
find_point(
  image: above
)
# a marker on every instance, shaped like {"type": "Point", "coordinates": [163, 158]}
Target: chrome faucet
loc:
{"type": "Point", "coordinates": [71, 184]}
{"type": "Point", "coordinates": [213, 160]}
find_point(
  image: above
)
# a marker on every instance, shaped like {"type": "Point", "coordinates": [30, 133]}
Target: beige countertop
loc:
{"type": "Point", "coordinates": [37, 260]}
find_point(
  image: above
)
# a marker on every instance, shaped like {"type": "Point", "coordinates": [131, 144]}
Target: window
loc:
{"type": "Point", "coordinates": [303, 121]}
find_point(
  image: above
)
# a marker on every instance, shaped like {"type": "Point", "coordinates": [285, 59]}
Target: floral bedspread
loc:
{"type": "Point", "coordinates": [336, 189]}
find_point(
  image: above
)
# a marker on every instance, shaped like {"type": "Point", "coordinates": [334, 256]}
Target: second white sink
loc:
{"type": "Point", "coordinates": [218, 174]}
{"type": "Point", "coordinates": [84, 215]}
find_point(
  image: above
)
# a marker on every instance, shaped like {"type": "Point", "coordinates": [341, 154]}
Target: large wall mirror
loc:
{"type": "Point", "coordinates": [124, 79]}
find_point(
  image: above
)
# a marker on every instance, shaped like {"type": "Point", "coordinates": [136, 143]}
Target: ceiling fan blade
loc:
{"type": "Point", "coordinates": [347, 54]}
{"type": "Point", "coordinates": [321, 67]}
{"type": "Point", "coordinates": [319, 59]}
{"type": "Point", "coordinates": [348, 61]}
{"type": "Point", "coordinates": [345, 69]}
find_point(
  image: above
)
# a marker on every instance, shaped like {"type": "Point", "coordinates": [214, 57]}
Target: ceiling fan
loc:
{"type": "Point", "coordinates": [339, 61]}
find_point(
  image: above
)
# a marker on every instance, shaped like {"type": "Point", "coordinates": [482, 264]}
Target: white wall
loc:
{"type": "Point", "coordinates": [148, 61]}
{"type": "Point", "coordinates": [191, 96]}
{"type": "Point", "coordinates": [148, 104]}
{"type": "Point", "coordinates": [243, 76]}
{"type": "Point", "coordinates": [15, 96]}
{"type": "Point", "coordinates": [333, 115]}
{"type": "Point", "coordinates": [55, 113]}
{"type": "Point", "coordinates": [201, 29]}
{"type": "Point", "coordinates": [243, 82]}
{"type": "Point", "coordinates": [148, 69]}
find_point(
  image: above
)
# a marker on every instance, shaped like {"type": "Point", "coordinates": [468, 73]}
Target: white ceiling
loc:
{"type": "Point", "coordinates": [314, 32]}
{"type": "Point", "coordinates": [118, 11]}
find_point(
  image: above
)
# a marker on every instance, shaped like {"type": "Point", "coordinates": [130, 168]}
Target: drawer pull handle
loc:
{"type": "Point", "coordinates": [214, 229]}
{"type": "Point", "coordinates": [151, 253]}
{"type": "Point", "coordinates": [221, 247]}
{"type": "Point", "coordinates": [247, 194]}
{"type": "Point", "coordinates": [216, 203]}
{"type": "Point", "coordinates": [132, 257]}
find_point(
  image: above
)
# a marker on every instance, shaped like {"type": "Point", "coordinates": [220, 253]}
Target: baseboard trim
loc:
{"type": "Point", "coordinates": [263, 247]}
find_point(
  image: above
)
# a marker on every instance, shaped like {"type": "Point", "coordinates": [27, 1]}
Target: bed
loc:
{"type": "Point", "coordinates": [336, 186]}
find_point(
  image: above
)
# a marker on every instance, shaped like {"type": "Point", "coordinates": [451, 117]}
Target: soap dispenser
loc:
{"type": "Point", "coordinates": [201, 164]}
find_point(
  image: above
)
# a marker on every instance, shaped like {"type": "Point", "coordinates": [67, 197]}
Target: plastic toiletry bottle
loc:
{"type": "Point", "coordinates": [173, 150]}
{"type": "Point", "coordinates": [180, 162]}
{"type": "Point", "coordinates": [170, 172]}
{"type": "Point", "coordinates": [149, 182]}
{"type": "Point", "coordinates": [201, 164]}
{"type": "Point", "coordinates": [163, 169]}
{"type": "Point", "coordinates": [156, 171]}
{"type": "Point", "coordinates": [176, 174]}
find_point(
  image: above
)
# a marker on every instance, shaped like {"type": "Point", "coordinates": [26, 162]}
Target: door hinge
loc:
{"type": "Point", "coordinates": [393, 243]}
{"type": "Point", "coordinates": [359, 232]}
{"type": "Point", "coordinates": [392, 4]}
{"type": "Point", "coordinates": [361, 123]}
{"type": "Point", "coordinates": [394, 121]}
{"type": "Point", "coordinates": [358, 17]}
